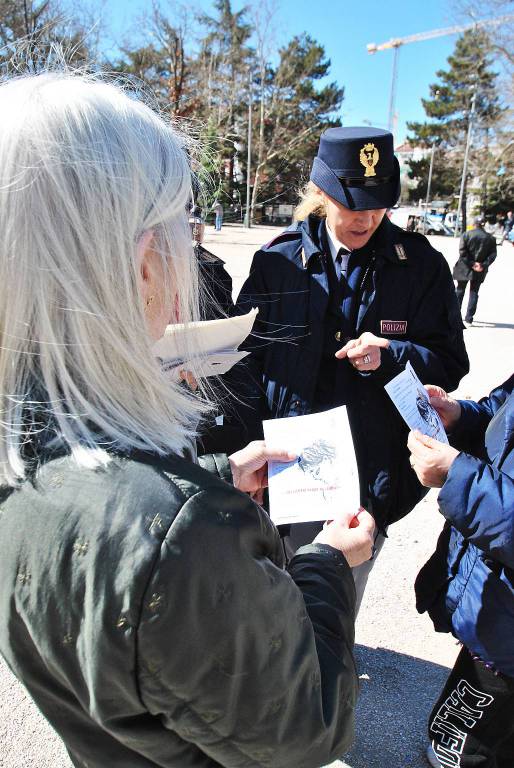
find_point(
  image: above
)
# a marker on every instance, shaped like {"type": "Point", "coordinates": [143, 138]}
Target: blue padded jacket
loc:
{"type": "Point", "coordinates": [467, 586]}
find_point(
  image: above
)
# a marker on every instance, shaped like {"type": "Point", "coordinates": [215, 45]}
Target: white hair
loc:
{"type": "Point", "coordinates": [85, 170]}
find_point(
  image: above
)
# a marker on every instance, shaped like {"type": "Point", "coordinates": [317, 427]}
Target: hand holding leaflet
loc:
{"type": "Point", "coordinates": [413, 402]}
{"type": "Point", "coordinates": [324, 479]}
{"type": "Point", "coordinates": [353, 535]}
{"type": "Point", "coordinates": [213, 344]}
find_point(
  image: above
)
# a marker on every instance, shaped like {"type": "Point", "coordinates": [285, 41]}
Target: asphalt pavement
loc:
{"type": "Point", "coordinates": [402, 662]}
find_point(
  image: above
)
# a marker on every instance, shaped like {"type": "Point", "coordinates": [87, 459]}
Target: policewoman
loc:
{"type": "Point", "coordinates": [345, 300]}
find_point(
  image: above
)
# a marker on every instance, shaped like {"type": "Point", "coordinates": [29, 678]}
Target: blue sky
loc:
{"type": "Point", "coordinates": [344, 28]}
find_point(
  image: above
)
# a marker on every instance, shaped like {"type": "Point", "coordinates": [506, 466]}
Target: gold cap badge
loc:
{"type": "Point", "coordinates": [369, 157]}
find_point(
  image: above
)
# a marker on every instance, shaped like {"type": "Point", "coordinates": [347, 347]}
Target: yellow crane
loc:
{"type": "Point", "coordinates": [396, 42]}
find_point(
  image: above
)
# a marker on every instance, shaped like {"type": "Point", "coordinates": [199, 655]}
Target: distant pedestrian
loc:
{"type": "Point", "coordinates": [218, 211]}
{"type": "Point", "coordinates": [467, 586]}
{"type": "Point", "coordinates": [196, 224]}
{"type": "Point", "coordinates": [477, 252]}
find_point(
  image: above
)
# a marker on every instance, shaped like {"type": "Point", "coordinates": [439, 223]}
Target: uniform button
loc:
{"type": "Point", "coordinates": [338, 335]}
{"type": "Point", "coordinates": [296, 403]}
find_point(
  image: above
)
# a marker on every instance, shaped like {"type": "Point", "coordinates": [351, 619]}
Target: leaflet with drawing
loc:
{"type": "Point", "coordinates": [411, 399]}
{"type": "Point", "coordinates": [323, 480]}
{"type": "Point", "coordinates": [215, 344]}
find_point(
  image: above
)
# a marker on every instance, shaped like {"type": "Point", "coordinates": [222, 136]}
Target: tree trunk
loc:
{"type": "Point", "coordinates": [231, 177]}
{"type": "Point", "coordinates": [255, 193]}
{"type": "Point", "coordinates": [260, 149]}
{"type": "Point", "coordinates": [485, 173]}
{"type": "Point", "coordinates": [464, 205]}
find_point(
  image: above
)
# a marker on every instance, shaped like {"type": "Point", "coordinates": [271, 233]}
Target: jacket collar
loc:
{"type": "Point", "coordinates": [384, 243]}
{"type": "Point", "coordinates": [313, 230]}
{"type": "Point", "coordinates": [381, 243]}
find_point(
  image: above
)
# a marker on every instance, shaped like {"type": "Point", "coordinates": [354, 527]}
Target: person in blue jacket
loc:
{"type": "Point", "coordinates": [467, 586]}
{"type": "Point", "coordinates": [346, 299]}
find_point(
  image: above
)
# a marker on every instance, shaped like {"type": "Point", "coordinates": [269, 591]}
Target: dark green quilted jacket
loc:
{"type": "Point", "coordinates": [146, 609]}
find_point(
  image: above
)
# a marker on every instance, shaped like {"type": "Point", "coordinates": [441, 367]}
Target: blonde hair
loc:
{"type": "Point", "coordinates": [85, 170]}
{"type": "Point", "coordinates": [311, 202]}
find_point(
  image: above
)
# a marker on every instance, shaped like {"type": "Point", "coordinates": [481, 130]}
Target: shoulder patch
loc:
{"type": "Point", "coordinates": [400, 252]}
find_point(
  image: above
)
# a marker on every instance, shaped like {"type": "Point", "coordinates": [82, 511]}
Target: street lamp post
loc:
{"type": "Point", "coordinates": [429, 184]}
{"type": "Point", "coordinates": [248, 218]}
{"type": "Point", "coordinates": [466, 157]}
{"type": "Point", "coordinates": [428, 187]}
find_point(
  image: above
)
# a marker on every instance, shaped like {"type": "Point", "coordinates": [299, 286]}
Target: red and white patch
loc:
{"type": "Point", "coordinates": [395, 327]}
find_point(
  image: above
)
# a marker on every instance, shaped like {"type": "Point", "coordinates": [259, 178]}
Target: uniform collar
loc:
{"type": "Point", "coordinates": [315, 240]}
{"type": "Point", "coordinates": [386, 243]}
{"type": "Point", "coordinates": [334, 244]}
{"type": "Point", "coordinates": [311, 237]}
{"type": "Point", "coordinates": [318, 240]}
{"type": "Point", "coordinates": [381, 240]}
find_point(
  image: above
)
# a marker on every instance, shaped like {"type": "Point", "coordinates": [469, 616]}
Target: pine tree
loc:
{"type": "Point", "coordinates": [222, 72]}
{"type": "Point", "coordinates": [161, 61]}
{"type": "Point", "coordinates": [469, 75]}
{"type": "Point", "coordinates": [35, 34]}
{"type": "Point", "coordinates": [499, 180]}
{"type": "Point", "coordinates": [211, 83]}
{"type": "Point", "coordinates": [295, 112]}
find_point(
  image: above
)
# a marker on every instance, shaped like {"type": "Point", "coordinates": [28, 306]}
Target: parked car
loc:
{"type": "Point", "coordinates": [434, 226]}
{"type": "Point", "coordinates": [450, 220]}
{"type": "Point", "coordinates": [415, 220]}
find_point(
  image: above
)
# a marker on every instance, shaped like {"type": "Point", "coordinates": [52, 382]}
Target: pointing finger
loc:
{"type": "Point", "coordinates": [340, 354]}
{"type": "Point", "coordinates": [354, 352]}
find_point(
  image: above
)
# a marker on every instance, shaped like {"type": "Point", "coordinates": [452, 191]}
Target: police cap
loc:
{"type": "Point", "coordinates": [358, 168]}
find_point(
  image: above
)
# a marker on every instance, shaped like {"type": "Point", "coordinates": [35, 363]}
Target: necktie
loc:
{"type": "Point", "coordinates": [342, 259]}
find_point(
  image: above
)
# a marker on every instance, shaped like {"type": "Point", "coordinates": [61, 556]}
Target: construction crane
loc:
{"type": "Point", "coordinates": [396, 42]}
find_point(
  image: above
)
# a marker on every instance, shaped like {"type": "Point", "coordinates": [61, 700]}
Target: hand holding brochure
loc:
{"type": "Point", "coordinates": [412, 400]}
{"type": "Point", "coordinates": [323, 481]}
{"type": "Point", "coordinates": [215, 344]}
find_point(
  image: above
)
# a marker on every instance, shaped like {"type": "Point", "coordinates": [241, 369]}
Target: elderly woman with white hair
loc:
{"type": "Point", "coordinates": [143, 599]}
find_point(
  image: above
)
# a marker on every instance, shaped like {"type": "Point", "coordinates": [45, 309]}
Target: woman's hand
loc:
{"type": "Point", "coordinates": [430, 459]}
{"type": "Point", "coordinates": [352, 534]}
{"type": "Point", "coordinates": [364, 353]}
{"type": "Point", "coordinates": [448, 409]}
{"type": "Point", "coordinates": [250, 467]}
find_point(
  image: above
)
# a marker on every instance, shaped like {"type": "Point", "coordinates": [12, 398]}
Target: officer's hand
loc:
{"type": "Point", "coordinates": [365, 352]}
{"type": "Point", "coordinates": [352, 534]}
{"type": "Point", "coordinates": [430, 459]}
{"type": "Point", "coordinates": [250, 467]}
{"type": "Point", "coordinates": [448, 409]}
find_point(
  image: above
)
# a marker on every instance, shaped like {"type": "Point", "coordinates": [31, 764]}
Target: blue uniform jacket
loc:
{"type": "Point", "coordinates": [406, 294]}
{"type": "Point", "coordinates": [467, 586]}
